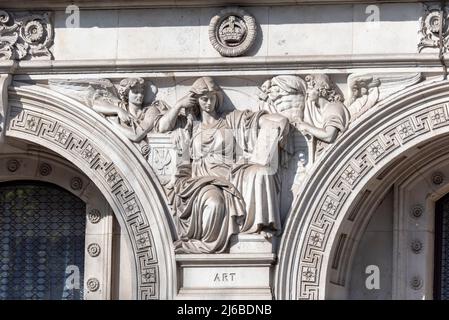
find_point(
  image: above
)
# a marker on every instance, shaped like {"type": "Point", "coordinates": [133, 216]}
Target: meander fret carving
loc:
{"type": "Point", "coordinates": [58, 133]}
{"type": "Point", "coordinates": [328, 210]}
{"type": "Point", "coordinates": [25, 36]}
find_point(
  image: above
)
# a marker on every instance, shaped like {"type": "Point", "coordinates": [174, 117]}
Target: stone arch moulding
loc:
{"type": "Point", "coordinates": [78, 134]}
{"type": "Point", "coordinates": [391, 128]}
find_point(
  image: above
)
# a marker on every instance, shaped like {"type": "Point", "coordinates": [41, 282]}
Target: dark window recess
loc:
{"type": "Point", "coordinates": [42, 229]}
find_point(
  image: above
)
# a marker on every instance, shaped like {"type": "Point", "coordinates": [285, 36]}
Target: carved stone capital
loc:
{"type": "Point", "coordinates": [25, 36]}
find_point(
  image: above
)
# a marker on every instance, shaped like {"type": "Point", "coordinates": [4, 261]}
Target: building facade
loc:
{"type": "Point", "coordinates": [213, 149]}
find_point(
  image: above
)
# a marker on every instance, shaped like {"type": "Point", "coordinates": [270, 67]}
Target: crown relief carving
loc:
{"type": "Point", "coordinates": [232, 32]}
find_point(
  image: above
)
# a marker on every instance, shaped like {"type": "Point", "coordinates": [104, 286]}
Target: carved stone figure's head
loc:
{"type": "Point", "coordinates": [287, 92]}
{"type": "Point", "coordinates": [208, 95]}
{"type": "Point", "coordinates": [320, 86]}
{"type": "Point", "coordinates": [286, 85]}
{"type": "Point", "coordinates": [132, 90]}
{"type": "Point", "coordinates": [362, 85]}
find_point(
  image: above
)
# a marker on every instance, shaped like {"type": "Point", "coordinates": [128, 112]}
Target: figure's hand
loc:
{"type": "Point", "coordinates": [124, 116]}
{"type": "Point", "coordinates": [186, 102]}
{"type": "Point", "coordinates": [301, 126]}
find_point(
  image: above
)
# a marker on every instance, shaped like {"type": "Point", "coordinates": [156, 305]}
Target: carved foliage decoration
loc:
{"type": "Point", "coordinates": [25, 36]}
{"type": "Point", "coordinates": [28, 122]}
{"type": "Point", "coordinates": [430, 24]}
{"type": "Point", "coordinates": [232, 32]}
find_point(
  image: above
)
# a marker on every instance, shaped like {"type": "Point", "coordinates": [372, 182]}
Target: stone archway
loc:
{"type": "Point", "coordinates": [331, 197]}
{"type": "Point", "coordinates": [78, 134]}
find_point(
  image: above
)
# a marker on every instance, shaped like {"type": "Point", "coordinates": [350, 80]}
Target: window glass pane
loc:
{"type": "Point", "coordinates": [444, 250]}
{"type": "Point", "coordinates": [42, 229]}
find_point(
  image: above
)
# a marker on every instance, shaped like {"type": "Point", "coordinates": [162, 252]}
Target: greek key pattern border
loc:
{"type": "Point", "coordinates": [347, 179]}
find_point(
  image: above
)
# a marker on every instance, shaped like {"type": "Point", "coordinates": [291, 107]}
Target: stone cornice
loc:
{"type": "Point", "coordinates": [225, 66]}
{"type": "Point", "coordinates": [112, 4]}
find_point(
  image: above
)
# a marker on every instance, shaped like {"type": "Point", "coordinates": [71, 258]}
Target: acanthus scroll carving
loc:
{"type": "Point", "coordinates": [25, 36]}
{"type": "Point", "coordinates": [432, 22]}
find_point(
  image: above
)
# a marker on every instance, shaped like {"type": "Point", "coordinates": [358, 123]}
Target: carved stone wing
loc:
{"type": "Point", "coordinates": [365, 90]}
{"type": "Point", "coordinates": [86, 90]}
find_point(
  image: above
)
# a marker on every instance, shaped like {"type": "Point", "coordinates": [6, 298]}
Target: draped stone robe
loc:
{"type": "Point", "coordinates": [222, 194]}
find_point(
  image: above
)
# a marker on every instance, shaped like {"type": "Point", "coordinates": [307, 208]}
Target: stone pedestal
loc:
{"type": "Point", "coordinates": [250, 243]}
{"type": "Point", "coordinates": [225, 276]}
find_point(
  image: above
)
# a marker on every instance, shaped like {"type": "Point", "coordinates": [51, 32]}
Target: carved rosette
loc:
{"type": "Point", "coordinates": [232, 32]}
{"type": "Point", "coordinates": [94, 249]}
{"type": "Point", "coordinates": [13, 165]}
{"type": "Point", "coordinates": [76, 183]}
{"type": "Point", "coordinates": [45, 169]}
{"type": "Point", "coordinates": [25, 36]}
{"type": "Point", "coordinates": [93, 284]}
{"type": "Point", "coordinates": [94, 216]}
{"type": "Point", "coordinates": [430, 24]}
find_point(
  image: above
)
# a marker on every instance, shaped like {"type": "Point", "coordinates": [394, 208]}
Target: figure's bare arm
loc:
{"type": "Point", "coordinates": [109, 109]}
{"type": "Point", "coordinates": [137, 136]}
{"type": "Point", "coordinates": [168, 120]}
{"type": "Point", "coordinates": [327, 134]}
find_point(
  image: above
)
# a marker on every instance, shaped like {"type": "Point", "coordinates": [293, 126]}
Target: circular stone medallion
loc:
{"type": "Point", "coordinates": [232, 32]}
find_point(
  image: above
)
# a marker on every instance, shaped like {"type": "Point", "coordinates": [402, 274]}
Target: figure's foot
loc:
{"type": "Point", "coordinates": [268, 235]}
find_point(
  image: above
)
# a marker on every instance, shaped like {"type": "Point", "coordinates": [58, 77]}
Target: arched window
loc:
{"type": "Point", "coordinates": [441, 272]}
{"type": "Point", "coordinates": [42, 241]}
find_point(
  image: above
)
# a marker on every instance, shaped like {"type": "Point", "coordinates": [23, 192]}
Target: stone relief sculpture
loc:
{"type": "Point", "coordinates": [232, 32]}
{"type": "Point", "coordinates": [222, 191]}
{"type": "Point", "coordinates": [313, 105]}
{"type": "Point", "coordinates": [131, 107]}
{"type": "Point", "coordinates": [325, 115]}
{"type": "Point", "coordinates": [223, 180]}
{"type": "Point", "coordinates": [123, 107]}
{"type": "Point", "coordinates": [430, 24]}
{"type": "Point", "coordinates": [134, 120]}
{"type": "Point", "coordinates": [284, 95]}
{"type": "Point", "coordinates": [365, 90]}
{"type": "Point", "coordinates": [25, 36]}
